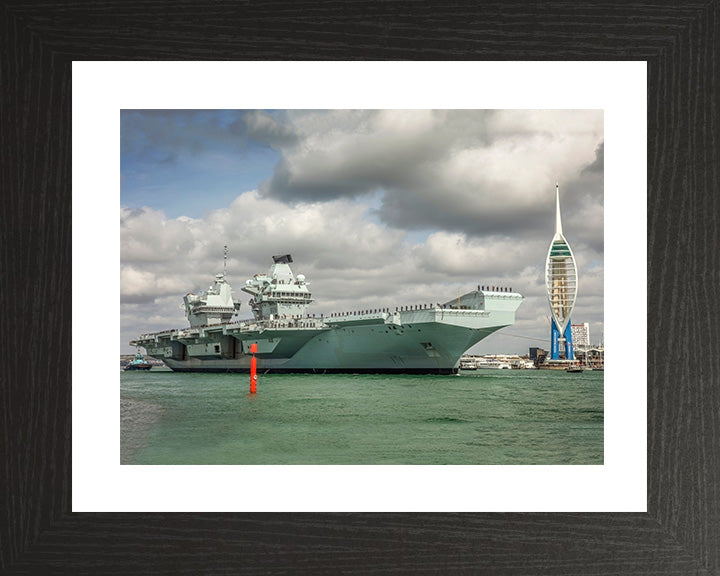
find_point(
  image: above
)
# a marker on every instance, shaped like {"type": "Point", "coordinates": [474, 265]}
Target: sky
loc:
{"type": "Point", "coordinates": [379, 208]}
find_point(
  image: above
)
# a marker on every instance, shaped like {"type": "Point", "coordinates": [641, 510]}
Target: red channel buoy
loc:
{"type": "Point", "coordinates": [253, 369]}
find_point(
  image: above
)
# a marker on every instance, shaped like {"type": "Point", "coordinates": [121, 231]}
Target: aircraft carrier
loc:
{"type": "Point", "coordinates": [423, 338]}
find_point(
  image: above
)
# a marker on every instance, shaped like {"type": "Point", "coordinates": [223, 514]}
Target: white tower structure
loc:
{"type": "Point", "coordinates": [561, 282]}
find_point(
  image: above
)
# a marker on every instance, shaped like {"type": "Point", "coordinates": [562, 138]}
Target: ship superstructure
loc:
{"type": "Point", "coordinates": [215, 306]}
{"type": "Point", "coordinates": [278, 293]}
{"type": "Point", "coordinates": [422, 338]}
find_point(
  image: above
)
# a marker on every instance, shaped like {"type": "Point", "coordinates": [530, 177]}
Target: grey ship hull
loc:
{"type": "Point", "coordinates": [422, 341]}
{"type": "Point", "coordinates": [361, 350]}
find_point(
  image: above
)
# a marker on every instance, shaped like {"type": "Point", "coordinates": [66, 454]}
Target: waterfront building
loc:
{"type": "Point", "coordinates": [536, 354]}
{"type": "Point", "coordinates": [580, 335]}
{"type": "Point", "coordinates": [561, 281]}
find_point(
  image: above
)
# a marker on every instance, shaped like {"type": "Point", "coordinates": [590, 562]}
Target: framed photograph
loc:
{"type": "Point", "coordinates": [420, 244]}
{"type": "Point", "coordinates": [217, 519]}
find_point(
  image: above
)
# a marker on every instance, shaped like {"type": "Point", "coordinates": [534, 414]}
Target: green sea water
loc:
{"type": "Point", "coordinates": [482, 417]}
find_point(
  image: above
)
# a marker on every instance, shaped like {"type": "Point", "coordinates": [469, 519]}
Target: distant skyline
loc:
{"type": "Point", "coordinates": [379, 208]}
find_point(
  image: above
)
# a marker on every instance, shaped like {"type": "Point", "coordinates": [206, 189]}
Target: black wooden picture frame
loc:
{"type": "Point", "coordinates": [680, 533]}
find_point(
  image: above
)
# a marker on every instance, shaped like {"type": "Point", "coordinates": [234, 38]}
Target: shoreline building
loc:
{"type": "Point", "coordinates": [561, 281]}
{"type": "Point", "coordinates": [581, 335]}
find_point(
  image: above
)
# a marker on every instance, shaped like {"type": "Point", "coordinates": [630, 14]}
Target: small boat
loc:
{"type": "Point", "coordinates": [492, 364]}
{"type": "Point", "coordinates": [138, 363]}
{"type": "Point", "coordinates": [574, 369]}
{"type": "Point", "coordinates": [468, 364]}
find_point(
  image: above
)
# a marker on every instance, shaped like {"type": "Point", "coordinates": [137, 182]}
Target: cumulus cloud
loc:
{"type": "Point", "coordinates": [332, 237]}
{"type": "Point", "coordinates": [473, 171]}
{"type": "Point", "coordinates": [598, 165]}
{"type": "Point", "coordinates": [263, 127]}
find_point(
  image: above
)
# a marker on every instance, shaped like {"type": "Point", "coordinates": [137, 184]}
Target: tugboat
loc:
{"type": "Point", "coordinates": [138, 363]}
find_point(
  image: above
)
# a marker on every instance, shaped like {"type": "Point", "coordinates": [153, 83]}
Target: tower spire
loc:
{"type": "Point", "coordinates": [561, 280]}
{"type": "Point", "coordinates": [225, 261]}
{"type": "Point", "coordinates": [558, 221]}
